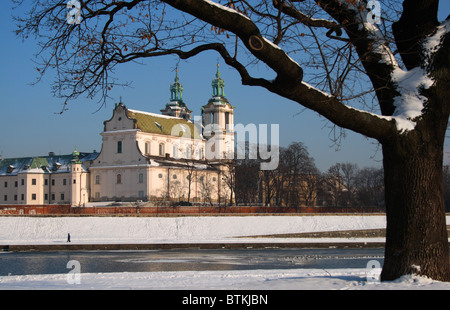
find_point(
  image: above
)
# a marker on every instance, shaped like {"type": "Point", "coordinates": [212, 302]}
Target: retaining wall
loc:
{"type": "Point", "coordinates": [154, 210]}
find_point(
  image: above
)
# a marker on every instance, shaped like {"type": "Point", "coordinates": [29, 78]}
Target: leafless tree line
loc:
{"type": "Point", "coordinates": [298, 182]}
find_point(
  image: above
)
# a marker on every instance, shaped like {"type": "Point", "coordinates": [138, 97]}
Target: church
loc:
{"type": "Point", "coordinates": [161, 157]}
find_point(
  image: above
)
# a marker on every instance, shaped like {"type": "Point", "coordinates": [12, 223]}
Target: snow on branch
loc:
{"type": "Point", "coordinates": [409, 104]}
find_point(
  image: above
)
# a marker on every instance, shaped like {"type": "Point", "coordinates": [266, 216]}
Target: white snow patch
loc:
{"type": "Point", "coordinates": [316, 89]}
{"type": "Point", "coordinates": [225, 8]}
{"type": "Point", "coordinates": [410, 103]}
{"type": "Point", "coordinates": [432, 43]}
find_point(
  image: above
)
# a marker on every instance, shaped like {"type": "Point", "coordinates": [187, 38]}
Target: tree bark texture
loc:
{"type": "Point", "coordinates": [416, 234]}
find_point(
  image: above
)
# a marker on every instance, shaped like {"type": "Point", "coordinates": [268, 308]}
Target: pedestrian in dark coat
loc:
{"type": "Point", "coordinates": [68, 237]}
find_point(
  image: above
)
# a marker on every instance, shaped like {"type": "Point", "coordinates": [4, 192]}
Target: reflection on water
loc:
{"type": "Point", "coordinates": [27, 263]}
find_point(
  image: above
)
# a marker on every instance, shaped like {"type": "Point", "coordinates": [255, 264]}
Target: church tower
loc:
{"type": "Point", "coordinates": [218, 122]}
{"type": "Point", "coordinates": [176, 107]}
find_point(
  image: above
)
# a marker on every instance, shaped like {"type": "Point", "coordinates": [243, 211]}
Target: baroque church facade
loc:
{"type": "Point", "coordinates": [145, 156]}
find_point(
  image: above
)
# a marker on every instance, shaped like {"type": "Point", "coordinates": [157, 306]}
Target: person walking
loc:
{"type": "Point", "coordinates": [68, 237]}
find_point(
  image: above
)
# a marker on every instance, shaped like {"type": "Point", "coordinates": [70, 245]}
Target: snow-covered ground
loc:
{"type": "Point", "coordinates": [282, 279]}
{"type": "Point", "coordinates": [40, 230]}
{"type": "Point", "coordinates": [185, 229]}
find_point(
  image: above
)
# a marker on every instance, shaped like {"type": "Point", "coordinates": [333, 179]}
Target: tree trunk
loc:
{"type": "Point", "coordinates": [416, 234]}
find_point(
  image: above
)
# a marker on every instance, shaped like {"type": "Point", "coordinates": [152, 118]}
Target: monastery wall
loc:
{"type": "Point", "coordinates": [165, 210]}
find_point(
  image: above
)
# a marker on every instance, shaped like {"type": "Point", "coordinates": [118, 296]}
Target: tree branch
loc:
{"type": "Point", "coordinates": [231, 61]}
{"type": "Point", "coordinates": [418, 20]}
{"type": "Point", "coordinates": [247, 31]}
{"type": "Point", "coordinates": [328, 106]}
{"type": "Point", "coordinates": [372, 48]}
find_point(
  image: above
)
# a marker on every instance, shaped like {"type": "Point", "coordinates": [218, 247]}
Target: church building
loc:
{"type": "Point", "coordinates": [144, 156]}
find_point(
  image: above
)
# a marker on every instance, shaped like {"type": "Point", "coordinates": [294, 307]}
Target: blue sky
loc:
{"type": "Point", "coordinates": [30, 123]}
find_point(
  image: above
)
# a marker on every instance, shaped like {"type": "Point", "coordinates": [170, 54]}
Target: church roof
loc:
{"type": "Point", "coordinates": [41, 164]}
{"type": "Point", "coordinates": [164, 124]}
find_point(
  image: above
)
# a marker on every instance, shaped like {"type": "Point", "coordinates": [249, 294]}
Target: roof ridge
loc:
{"type": "Point", "coordinates": [158, 115]}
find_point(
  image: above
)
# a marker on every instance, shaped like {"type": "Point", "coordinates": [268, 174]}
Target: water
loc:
{"type": "Point", "coordinates": [29, 263]}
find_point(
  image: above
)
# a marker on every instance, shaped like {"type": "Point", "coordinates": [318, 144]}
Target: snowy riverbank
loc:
{"type": "Point", "coordinates": [53, 230]}
{"type": "Point", "coordinates": [234, 280]}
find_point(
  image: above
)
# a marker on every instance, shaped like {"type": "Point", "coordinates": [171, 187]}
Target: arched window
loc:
{"type": "Point", "coordinates": [161, 149]}
{"type": "Point", "coordinates": [97, 179]}
{"type": "Point", "coordinates": [119, 179]}
{"type": "Point", "coordinates": [147, 148]}
{"type": "Point", "coordinates": [119, 146]}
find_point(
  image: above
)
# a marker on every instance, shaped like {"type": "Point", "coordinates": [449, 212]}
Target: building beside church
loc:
{"type": "Point", "coordinates": [144, 157]}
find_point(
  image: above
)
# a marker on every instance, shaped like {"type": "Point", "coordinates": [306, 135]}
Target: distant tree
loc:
{"type": "Point", "coordinates": [229, 179]}
{"type": "Point", "coordinates": [370, 187]}
{"type": "Point", "coordinates": [247, 181]}
{"type": "Point", "coordinates": [339, 188]}
{"type": "Point", "coordinates": [397, 58]}
{"type": "Point", "coordinates": [292, 183]}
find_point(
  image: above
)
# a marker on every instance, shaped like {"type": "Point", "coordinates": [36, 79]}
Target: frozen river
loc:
{"type": "Point", "coordinates": [30, 263]}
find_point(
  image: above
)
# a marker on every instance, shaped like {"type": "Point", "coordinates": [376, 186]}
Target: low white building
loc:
{"type": "Point", "coordinates": [144, 157]}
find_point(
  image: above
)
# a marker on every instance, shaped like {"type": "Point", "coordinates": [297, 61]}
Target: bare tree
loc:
{"type": "Point", "coordinates": [347, 172]}
{"type": "Point", "coordinates": [247, 181]}
{"type": "Point", "coordinates": [369, 187]}
{"type": "Point", "coordinates": [401, 64]}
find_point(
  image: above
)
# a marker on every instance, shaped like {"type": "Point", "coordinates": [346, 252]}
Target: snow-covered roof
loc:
{"type": "Point", "coordinates": [41, 164]}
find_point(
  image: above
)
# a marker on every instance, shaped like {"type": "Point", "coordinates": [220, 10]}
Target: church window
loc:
{"type": "Point", "coordinates": [227, 118]}
{"type": "Point", "coordinates": [147, 147]}
{"type": "Point", "coordinates": [160, 175]}
{"type": "Point", "coordinates": [119, 147]}
{"type": "Point", "coordinates": [188, 152]}
{"type": "Point", "coordinates": [141, 178]}
{"type": "Point", "coordinates": [174, 176]}
{"type": "Point", "coordinates": [97, 179]}
{"type": "Point", "coordinates": [161, 149]}
{"type": "Point", "coordinates": [175, 151]}
{"type": "Point", "coordinates": [119, 179]}
{"type": "Point", "coordinates": [212, 118]}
